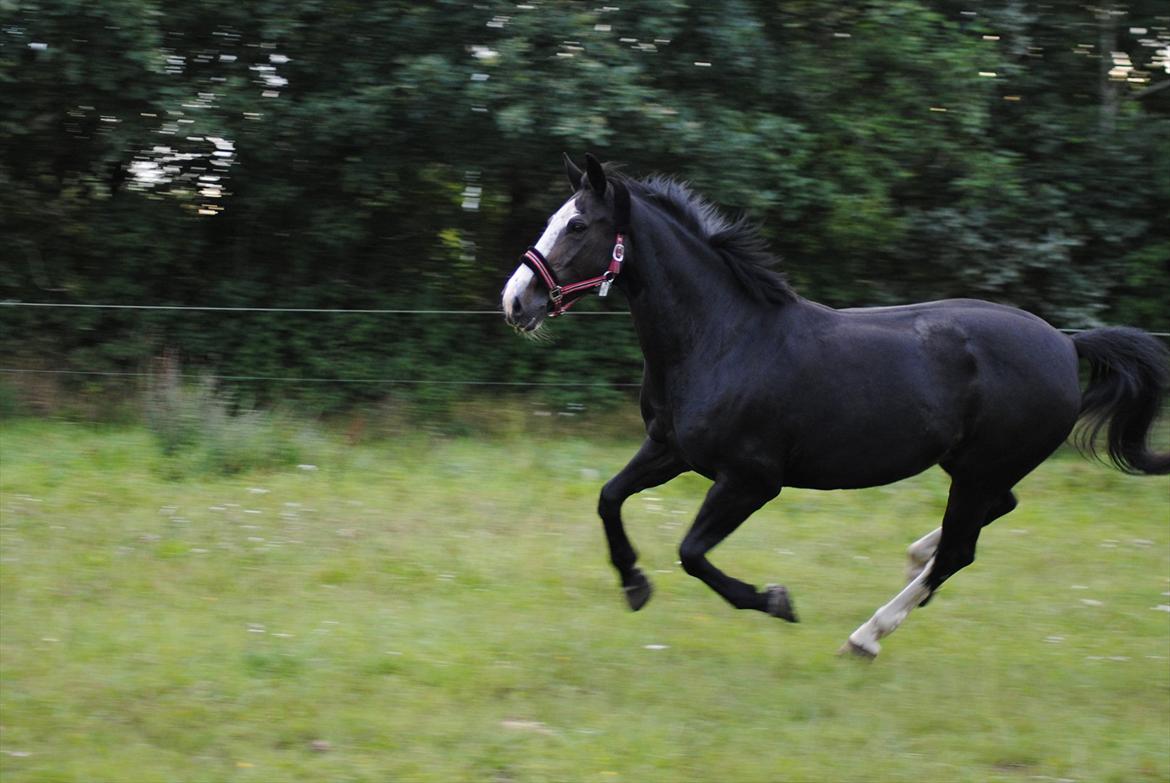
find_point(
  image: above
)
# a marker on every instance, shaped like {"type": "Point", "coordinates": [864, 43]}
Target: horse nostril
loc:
{"type": "Point", "coordinates": [515, 309]}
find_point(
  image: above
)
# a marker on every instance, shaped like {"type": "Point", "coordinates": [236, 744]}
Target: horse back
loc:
{"type": "Point", "coordinates": [869, 396]}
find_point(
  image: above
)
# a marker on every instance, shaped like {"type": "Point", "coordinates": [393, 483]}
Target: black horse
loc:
{"type": "Point", "coordinates": [756, 388]}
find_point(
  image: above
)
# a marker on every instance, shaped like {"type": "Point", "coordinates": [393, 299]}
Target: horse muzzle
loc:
{"type": "Point", "coordinates": [525, 312]}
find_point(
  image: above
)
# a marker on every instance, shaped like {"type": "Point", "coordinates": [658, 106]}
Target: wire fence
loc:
{"type": "Point", "coordinates": [331, 311]}
{"type": "Point", "coordinates": [349, 311]}
{"type": "Point", "coordinates": [327, 310]}
{"type": "Point", "coordinates": [295, 379]}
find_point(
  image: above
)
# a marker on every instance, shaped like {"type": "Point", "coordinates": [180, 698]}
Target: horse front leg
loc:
{"type": "Point", "coordinates": [654, 464]}
{"type": "Point", "coordinates": [727, 505]}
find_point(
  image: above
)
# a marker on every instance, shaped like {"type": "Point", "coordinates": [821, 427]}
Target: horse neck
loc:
{"type": "Point", "coordinates": [680, 290]}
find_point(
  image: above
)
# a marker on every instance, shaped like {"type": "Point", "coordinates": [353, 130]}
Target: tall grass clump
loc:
{"type": "Point", "coordinates": [202, 429]}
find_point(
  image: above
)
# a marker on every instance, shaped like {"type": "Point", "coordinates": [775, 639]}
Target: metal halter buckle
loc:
{"type": "Point", "coordinates": [606, 282]}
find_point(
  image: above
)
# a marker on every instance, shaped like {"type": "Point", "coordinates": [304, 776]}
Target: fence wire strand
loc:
{"type": "Point", "coordinates": [344, 311]}
{"type": "Point", "coordinates": [295, 379]}
{"type": "Point", "coordinates": [331, 311]}
{"type": "Point", "coordinates": [327, 310]}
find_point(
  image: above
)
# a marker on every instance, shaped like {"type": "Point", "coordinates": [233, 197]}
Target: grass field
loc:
{"type": "Point", "coordinates": [432, 608]}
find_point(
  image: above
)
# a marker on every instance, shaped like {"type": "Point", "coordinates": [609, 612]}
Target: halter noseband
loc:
{"type": "Point", "coordinates": [562, 297]}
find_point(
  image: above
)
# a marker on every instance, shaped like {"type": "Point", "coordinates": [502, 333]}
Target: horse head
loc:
{"type": "Point", "coordinates": [576, 253]}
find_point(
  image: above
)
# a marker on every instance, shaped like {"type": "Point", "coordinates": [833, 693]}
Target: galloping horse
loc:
{"type": "Point", "coordinates": [757, 388]}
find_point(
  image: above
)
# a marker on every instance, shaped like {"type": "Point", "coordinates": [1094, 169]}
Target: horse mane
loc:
{"type": "Point", "coordinates": [737, 241]}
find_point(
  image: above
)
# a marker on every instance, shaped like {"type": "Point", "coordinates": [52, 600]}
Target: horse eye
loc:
{"type": "Point", "coordinates": [577, 226]}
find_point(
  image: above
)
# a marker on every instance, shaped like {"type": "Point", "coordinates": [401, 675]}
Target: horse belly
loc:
{"type": "Point", "coordinates": [878, 423]}
{"type": "Point", "coordinates": [823, 438]}
{"type": "Point", "coordinates": [871, 451]}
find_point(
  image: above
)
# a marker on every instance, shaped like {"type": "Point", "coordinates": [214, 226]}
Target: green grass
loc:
{"type": "Point", "coordinates": [442, 609]}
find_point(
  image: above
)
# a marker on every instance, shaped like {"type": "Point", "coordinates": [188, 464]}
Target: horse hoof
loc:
{"type": "Point", "coordinates": [780, 603]}
{"type": "Point", "coordinates": [855, 650]}
{"type": "Point", "coordinates": [638, 592]}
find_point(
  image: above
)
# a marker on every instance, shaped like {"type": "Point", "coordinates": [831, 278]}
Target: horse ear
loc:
{"type": "Point", "coordinates": [572, 172]}
{"type": "Point", "coordinates": [595, 173]}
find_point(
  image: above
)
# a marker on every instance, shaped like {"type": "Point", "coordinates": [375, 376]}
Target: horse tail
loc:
{"type": "Point", "coordinates": [1129, 375]}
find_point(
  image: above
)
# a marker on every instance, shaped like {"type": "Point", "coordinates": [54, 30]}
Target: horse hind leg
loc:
{"type": "Point", "coordinates": [956, 548]}
{"type": "Point", "coordinates": [864, 641]}
{"type": "Point", "coordinates": [920, 553]}
{"type": "Point", "coordinates": [969, 508]}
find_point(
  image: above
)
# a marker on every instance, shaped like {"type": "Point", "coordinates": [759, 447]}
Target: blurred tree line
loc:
{"type": "Point", "coordinates": [400, 154]}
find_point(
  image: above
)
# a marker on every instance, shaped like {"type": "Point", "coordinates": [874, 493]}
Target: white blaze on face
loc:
{"type": "Point", "coordinates": [523, 275]}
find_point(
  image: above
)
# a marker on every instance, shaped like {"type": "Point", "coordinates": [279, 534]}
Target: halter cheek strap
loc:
{"type": "Point", "coordinates": [562, 297]}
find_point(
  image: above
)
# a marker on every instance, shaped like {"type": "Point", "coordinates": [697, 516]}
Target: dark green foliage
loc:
{"type": "Point", "coordinates": [400, 155]}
